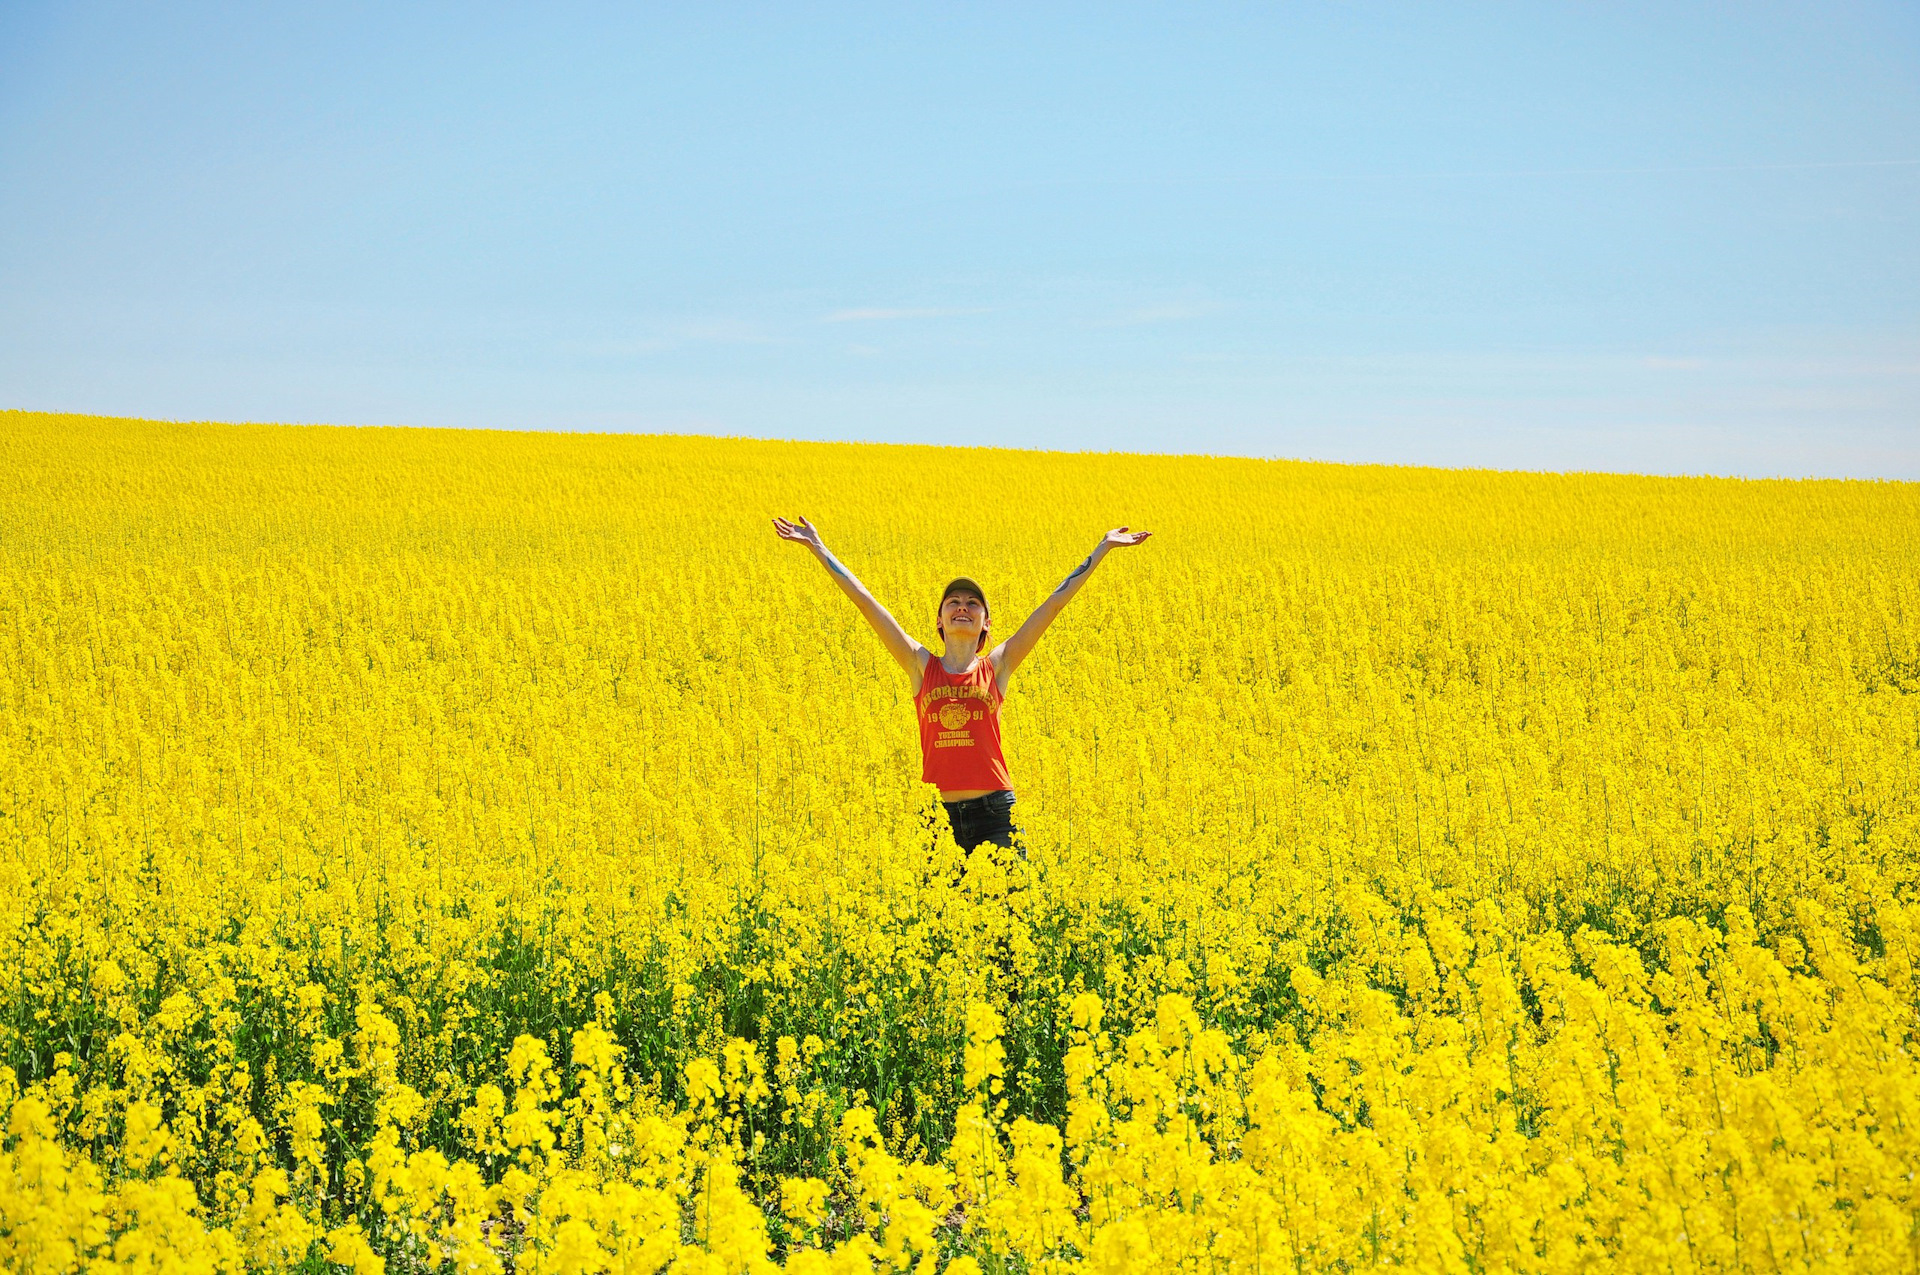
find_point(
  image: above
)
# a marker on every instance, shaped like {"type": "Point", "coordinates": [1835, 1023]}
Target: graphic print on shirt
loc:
{"type": "Point", "coordinates": [960, 705]}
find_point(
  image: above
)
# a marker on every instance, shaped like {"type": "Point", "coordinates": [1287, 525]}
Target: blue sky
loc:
{"type": "Point", "coordinates": [1660, 238]}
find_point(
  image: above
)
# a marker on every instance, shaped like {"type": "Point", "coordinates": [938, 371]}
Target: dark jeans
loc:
{"type": "Point", "coordinates": [988, 818]}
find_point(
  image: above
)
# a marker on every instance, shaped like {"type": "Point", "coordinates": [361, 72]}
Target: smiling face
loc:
{"type": "Point", "coordinates": [963, 613]}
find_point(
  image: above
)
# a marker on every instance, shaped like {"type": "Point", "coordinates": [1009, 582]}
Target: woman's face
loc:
{"type": "Point", "coordinates": [963, 614]}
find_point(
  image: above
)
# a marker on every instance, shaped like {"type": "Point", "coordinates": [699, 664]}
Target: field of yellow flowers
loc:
{"type": "Point", "coordinates": [453, 850]}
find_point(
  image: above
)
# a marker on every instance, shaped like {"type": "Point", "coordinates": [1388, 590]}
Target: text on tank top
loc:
{"type": "Point", "coordinates": [960, 728]}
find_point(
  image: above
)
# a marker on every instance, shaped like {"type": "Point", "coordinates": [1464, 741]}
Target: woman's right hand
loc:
{"type": "Point", "coordinates": [803, 531]}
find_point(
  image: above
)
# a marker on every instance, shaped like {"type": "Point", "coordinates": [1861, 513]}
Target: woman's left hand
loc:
{"type": "Point", "coordinates": [1121, 538]}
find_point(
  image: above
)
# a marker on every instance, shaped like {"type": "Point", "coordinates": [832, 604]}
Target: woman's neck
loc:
{"type": "Point", "coordinates": [958, 659]}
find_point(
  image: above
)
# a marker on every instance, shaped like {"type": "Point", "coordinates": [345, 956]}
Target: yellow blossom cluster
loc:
{"type": "Point", "coordinates": [430, 850]}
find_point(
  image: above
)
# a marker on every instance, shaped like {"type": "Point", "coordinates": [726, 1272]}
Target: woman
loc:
{"type": "Point", "coordinates": [957, 694]}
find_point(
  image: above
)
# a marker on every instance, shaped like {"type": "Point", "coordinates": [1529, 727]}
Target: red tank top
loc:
{"type": "Point", "coordinates": [960, 728]}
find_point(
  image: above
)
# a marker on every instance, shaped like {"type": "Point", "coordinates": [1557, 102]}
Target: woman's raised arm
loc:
{"type": "Point", "coordinates": [909, 654]}
{"type": "Point", "coordinates": [1007, 656]}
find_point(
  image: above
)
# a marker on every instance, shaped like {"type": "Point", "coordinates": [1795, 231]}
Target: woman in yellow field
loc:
{"type": "Point", "coordinates": [957, 695]}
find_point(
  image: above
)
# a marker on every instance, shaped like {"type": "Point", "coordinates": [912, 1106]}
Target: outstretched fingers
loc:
{"type": "Point", "coordinates": [802, 530]}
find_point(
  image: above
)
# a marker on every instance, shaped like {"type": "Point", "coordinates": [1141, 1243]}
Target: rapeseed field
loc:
{"type": "Point", "coordinates": [446, 850]}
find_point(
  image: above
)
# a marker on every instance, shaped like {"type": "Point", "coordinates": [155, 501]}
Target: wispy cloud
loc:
{"type": "Point", "coordinates": [1177, 312]}
{"type": "Point", "coordinates": [877, 314]}
{"type": "Point", "coordinates": [622, 349]}
{"type": "Point", "coordinates": [1683, 365]}
{"type": "Point", "coordinates": [673, 336]}
{"type": "Point", "coordinates": [726, 332]}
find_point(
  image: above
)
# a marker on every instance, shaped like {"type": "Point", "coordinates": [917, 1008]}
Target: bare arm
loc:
{"type": "Point", "coordinates": [909, 654]}
{"type": "Point", "coordinates": [1008, 655]}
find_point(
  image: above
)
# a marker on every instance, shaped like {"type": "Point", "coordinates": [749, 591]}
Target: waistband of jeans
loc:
{"type": "Point", "coordinates": [973, 803]}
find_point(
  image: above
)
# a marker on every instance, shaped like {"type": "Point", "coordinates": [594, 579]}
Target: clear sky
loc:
{"type": "Point", "coordinates": [1661, 238]}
